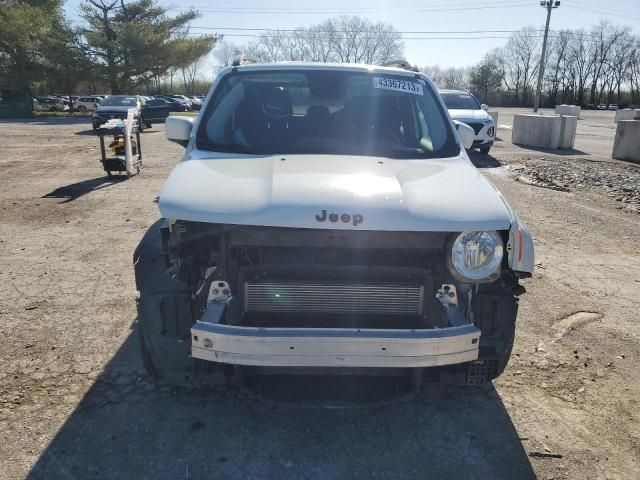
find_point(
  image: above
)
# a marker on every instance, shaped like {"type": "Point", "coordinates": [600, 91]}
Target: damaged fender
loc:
{"type": "Point", "coordinates": [520, 247]}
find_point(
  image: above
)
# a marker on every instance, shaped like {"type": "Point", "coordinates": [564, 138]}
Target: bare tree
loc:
{"type": "Point", "coordinates": [225, 52]}
{"type": "Point", "coordinates": [521, 59]}
{"type": "Point", "coordinates": [605, 38]}
{"type": "Point", "coordinates": [557, 63]}
{"type": "Point", "coordinates": [346, 39]}
{"type": "Point", "coordinates": [435, 73]}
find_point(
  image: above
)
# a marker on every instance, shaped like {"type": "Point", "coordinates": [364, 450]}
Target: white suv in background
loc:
{"type": "Point", "coordinates": [464, 107]}
{"type": "Point", "coordinates": [86, 104]}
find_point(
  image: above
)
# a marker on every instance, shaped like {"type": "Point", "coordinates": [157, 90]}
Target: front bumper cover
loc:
{"type": "Point", "coordinates": [330, 347]}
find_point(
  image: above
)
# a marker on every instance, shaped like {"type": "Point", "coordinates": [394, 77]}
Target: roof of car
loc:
{"type": "Point", "coordinates": [454, 91]}
{"type": "Point", "coordinates": [349, 67]}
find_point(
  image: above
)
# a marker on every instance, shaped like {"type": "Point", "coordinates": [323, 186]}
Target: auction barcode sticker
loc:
{"type": "Point", "coordinates": [398, 85]}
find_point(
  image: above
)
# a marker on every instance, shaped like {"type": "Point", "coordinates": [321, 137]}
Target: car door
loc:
{"type": "Point", "coordinates": [156, 110]}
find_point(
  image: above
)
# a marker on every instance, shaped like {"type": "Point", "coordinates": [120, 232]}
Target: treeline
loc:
{"type": "Point", "coordinates": [582, 67]}
{"type": "Point", "coordinates": [123, 46]}
{"type": "Point", "coordinates": [600, 65]}
{"type": "Point", "coordinates": [118, 47]}
{"type": "Point", "coordinates": [345, 39]}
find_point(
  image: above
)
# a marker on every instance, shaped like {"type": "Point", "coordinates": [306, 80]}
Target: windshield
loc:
{"type": "Point", "coordinates": [119, 101]}
{"type": "Point", "coordinates": [326, 112]}
{"type": "Point", "coordinates": [460, 101]}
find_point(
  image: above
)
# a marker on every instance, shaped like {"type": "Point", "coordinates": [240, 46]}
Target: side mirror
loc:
{"type": "Point", "coordinates": [467, 135]}
{"type": "Point", "coordinates": [178, 129]}
{"type": "Point", "coordinates": [484, 106]}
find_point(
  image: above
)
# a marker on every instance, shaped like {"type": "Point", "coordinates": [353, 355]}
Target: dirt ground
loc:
{"type": "Point", "coordinates": [76, 403]}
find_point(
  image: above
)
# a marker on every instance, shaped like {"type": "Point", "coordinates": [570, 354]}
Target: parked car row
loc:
{"type": "Point", "coordinates": [89, 103]}
{"type": "Point", "coordinates": [147, 110]}
{"type": "Point", "coordinates": [49, 104]}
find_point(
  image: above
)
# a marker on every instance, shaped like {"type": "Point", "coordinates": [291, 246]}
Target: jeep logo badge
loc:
{"type": "Point", "coordinates": [355, 218]}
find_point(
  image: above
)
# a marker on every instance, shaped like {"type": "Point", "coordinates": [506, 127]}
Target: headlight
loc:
{"type": "Point", "coordinates": [476, 257]}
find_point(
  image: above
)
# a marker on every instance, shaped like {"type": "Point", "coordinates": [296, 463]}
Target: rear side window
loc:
{"type": "Point", "coordinates": [326, 112]}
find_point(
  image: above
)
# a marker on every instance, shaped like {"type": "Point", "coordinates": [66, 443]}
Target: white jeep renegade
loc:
{"type": "Point", "coordinates": [327, 217]}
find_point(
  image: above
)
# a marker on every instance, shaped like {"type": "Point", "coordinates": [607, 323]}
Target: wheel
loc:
{"type": "Point", "coordinates": [485, 150]}
{"type": "Point", "coordinates": [164, 315]}
{"type": "Point", "coordinates": [148, 125]}
{"type": "Point", "coordinates": [82, 109]}
{"type": "Point", "coordinates": [141, 124]}
{"type": "Point", "coordinates": [109, 174]}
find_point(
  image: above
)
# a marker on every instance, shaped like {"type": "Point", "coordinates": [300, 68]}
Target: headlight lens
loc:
{"type": "Point", "coordinates": [476, 256]}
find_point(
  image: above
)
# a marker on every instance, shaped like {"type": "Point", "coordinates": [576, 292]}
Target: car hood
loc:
{"type": "Point", "coordinates": [303, 191]}
{"type": "Point", "coordinates": [108, 109]}
{"type": "Point", "coordinates": [469, 115]}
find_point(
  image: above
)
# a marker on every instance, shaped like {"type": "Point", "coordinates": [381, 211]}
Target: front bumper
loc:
{"type": "Point", "coordinates": [330, 347]}
{"type": "Point", "coordinates": [485, 136]}
{"type": "Point", "coordinates": [485, 132]}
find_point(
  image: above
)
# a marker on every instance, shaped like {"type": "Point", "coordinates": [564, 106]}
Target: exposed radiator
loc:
{"type": "Point", "coordinates": [370, 298]}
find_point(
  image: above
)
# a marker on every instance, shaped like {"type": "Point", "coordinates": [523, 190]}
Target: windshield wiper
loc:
{"type": "Point", "coordinates": [226, 147]}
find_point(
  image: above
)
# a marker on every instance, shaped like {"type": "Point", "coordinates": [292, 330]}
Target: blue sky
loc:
{"type": "Point", "coordinates": [411, 16]}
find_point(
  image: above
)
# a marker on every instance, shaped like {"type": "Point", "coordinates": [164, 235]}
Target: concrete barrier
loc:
{"type": "Point", "coordinates": [626, 145]}
{"type": "Point", "coordinates": [568, 125]}
{"type": "Point", "coordinates": [542, 131]}
{"type": "Point", "coordinates": [626, 114]}
{"type": "Point", "coordinates": [571, 110]}
{"type": "Point", "coordinates": [495, 115]}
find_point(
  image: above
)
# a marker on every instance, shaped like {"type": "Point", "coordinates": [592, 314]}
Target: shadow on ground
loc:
{"type": "Point", "coordinates": [563, 152]}
{"type": "Point", "coordinates": [482, 160]}
{"type": "Point", "coordinates": [90, 132]}
{"type": "Point", "coordinates": [125, 427]}
{"type": "Point", "coordinates": [76, 190]}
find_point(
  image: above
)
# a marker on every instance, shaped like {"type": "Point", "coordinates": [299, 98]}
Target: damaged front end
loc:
{"type": "Point", "coordinates": [270, 298]}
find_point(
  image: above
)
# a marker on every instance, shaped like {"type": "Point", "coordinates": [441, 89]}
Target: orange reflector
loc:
{"type": "Point", "coordinates": [519, 243]}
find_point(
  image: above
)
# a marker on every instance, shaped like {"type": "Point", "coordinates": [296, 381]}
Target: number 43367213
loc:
{"type": "Point", "coordinates": [397, 85]}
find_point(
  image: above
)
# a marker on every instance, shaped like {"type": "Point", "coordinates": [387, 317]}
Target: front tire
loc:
{"type": "Point", "coordinates": [485, 150]}
{"type": "Point", "coordinates": [164, 316]}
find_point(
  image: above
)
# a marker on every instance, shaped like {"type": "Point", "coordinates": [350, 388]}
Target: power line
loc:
{"type": "Point", "coordinates": [390, 7]}
{"type": "Point", "coordinates": [264, 31]}
{"type": "Point", "coordinates": [433, 6]}
{"type": "Point", "coordinates": [608, 12]}
{"type": "Point", "coordinates": [226, 10]}
{"type": "Point", "coordinates": [245, 29]}
{"type": "Point", "coordinates": [557, 33]}
{"type": "Point", "coordinates": [310, 36]}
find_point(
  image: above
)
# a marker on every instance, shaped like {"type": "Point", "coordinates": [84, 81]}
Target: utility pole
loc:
{"type": "Point", "coordinates": [549, 5]}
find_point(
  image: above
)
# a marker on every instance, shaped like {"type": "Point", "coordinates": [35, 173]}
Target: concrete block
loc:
{"type": "Point", "coordinates": [542, 131]}
{"type": "Point", "coordinates": [626, 114]}
{"type": "Point", "coordinates": [571, 110]}
{"type": "Point", "coordinates": [568, 126]}
{"type": "Point", "coordinates": [626, 145]}
{"type": "Point", "coordinates": [495, 115]}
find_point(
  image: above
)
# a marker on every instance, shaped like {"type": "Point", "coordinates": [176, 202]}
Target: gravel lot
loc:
{"type": "Point", "coordinates": [75, 402]}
